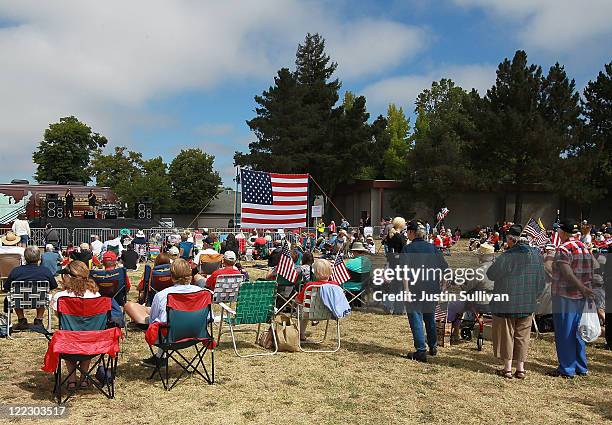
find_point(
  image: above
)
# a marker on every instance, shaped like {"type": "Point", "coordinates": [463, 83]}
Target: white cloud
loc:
{"type": "Point", "coordinates": [555, 25]}
{"type": "Point", "coordinates": [367, 46]}
{"type": "Point", "coordinates": [104, 61]}
{"type": "Point", "coordinates": [403, 90]}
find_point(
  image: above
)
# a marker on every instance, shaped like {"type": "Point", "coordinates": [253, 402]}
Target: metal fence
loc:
{"type": "Point", "coordinates": [38, 236]}
{"type": "Point", "coordinates": [84, 234]}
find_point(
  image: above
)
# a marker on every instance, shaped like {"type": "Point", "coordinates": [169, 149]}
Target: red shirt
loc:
{"type": "Point", "coordinates": [448, 241]}
{"type": "Point", "coordinates": [212, 279]}
{"type": "Point", "coordinates": [300, 297]}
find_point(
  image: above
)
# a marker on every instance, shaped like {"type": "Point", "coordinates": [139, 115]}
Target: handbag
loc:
{"type": "Point", "coordinates": [287, 334]}
{"type": "Point", "coordinates": [589, 328]}
{"type": "Point", "coordinates": [265, 339]}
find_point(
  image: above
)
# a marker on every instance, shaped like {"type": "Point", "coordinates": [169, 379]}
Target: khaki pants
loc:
{"type": "Point", "coordinates": [511, 337]}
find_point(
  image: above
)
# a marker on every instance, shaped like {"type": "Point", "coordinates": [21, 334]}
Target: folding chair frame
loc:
{"type": "Point", "coordinates": [11, 307]}
{"type": "Point", "coordinates": [226, 308]}
{"type": "Point", "coordinates": [107, 388]}
{"type": "Point", "coordinates": [354, 297]}
{"type": "Point", "coordinates": [313, 293]}
{"type": "Point", "coordinates": [106, 361]}
{"type": "Point", "coordinates": [169, 350]}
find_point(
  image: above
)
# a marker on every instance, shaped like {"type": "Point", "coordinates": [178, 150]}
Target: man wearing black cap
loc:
{"type": "Point", "coordinates": [420, 254]}
{"type": "Point", "coordinates": [519, 275]}
{"type": "Point", "coordinates": [571, 287]}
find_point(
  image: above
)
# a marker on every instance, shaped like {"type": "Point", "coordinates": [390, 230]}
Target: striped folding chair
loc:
{"type": "Point", "coordinates": [28, 295]}
{"type": "Point", "coordinates": [312, 309]}
{"type": "Point", "coordinates": [226, 291]}
{"type": "Point", "coordinates": [254, 306]}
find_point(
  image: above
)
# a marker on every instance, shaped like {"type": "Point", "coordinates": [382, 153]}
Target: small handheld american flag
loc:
{"type": "Point", "coordinates": [535, 233]}
{"type": "Point", "coordinates": [285, 267]}
{"type": "Point", "coordinates": [340, 273]}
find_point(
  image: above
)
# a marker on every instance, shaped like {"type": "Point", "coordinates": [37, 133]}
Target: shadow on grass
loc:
{"type": "Point", "coordinates": [39, 384]}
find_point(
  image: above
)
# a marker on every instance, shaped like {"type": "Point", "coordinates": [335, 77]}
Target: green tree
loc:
{"type": "Point", "coordinates": [132, 178]}
{"type": "Point", "coordinates": [194, 181]}
{"type": "Point", "coordinates": [298, 127]}
{"type": "Point", "coordinates": [524, 123]}
{"type": "Point", "coordinates": [589, 160]}
{"type": "Point", "coordinates": [394, 159]}
{"type": "Point", "coordinates": [373, 153]}
{"type": "Point", "coordinates": [63, 154]}
{"type": "Point", "coordinates": [439, 162]}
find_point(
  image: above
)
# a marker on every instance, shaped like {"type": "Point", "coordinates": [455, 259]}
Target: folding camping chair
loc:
{"type": "Point", "coordinates": [7, 263]}
{"type": "Point", "coordinates": [283, 284]}
{"type": "Point", "coordinates": [83, 335]}
{"type": "Point", "coordinates": [209, 263]}
{"type": "Point", "coordinates": [112, 284]}
{"type": "Point", "coordinates": [354, 291]}
{"type": "Point", "coordinates": [314, 309]}
{"type": "Point", "coordinates": [157, 279]}
{"type": "Point", "coordinates": [226, 291]}
{"type": "Point", "coordinates": [28, 295]}
{"type": "Point", "coordinates": [189, 324]}
{"type": "Point", "coordinates": [254, 306]}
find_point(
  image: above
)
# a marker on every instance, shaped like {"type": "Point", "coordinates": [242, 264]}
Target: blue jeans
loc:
{"type": "Point", "coordinates": [571, 349]}
{"type": "Point", "coordinates": [416, 320]}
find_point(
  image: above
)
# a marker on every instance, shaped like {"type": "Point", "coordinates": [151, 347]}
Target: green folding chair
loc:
{"type": "Point", "coordinates": [254, 306]}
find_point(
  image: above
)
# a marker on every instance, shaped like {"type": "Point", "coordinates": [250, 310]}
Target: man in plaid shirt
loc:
{"type": "Point", "coordinates": [571, 287]}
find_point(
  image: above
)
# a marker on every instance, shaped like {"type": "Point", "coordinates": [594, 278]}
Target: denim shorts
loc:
{"type": "Point", "coordinates": [24, 239]}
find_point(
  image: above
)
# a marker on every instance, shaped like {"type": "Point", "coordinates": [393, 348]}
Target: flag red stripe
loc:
{"type": "Point", "coordinates": [273, 212]}
{"type": "Point", "coordinates": [300, 203]}
{"type": "Point", "coordinates": [274, 221]}
{"type": "Point", "coordinates": [288, 176]}
{"type": "Point", "coordinates": [303, 193]}
{"type": "Point", "coordinates": [275, 184]}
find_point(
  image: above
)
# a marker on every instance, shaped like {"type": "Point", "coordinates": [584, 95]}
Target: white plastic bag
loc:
{"type": "Point", "coordinates": [589, 328]}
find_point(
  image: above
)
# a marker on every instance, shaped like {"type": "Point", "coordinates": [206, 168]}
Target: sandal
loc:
{"type": "Point", "coordinates": [71, 386]}
{"type": "Point", "coordinates": [504, 373]}
{"type": "Point", "coordinates": [519, 374]}
{"type": "Point", "coordinates": [85, 384]}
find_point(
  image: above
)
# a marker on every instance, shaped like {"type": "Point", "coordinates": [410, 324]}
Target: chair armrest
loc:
{"type": "Point", "coordinates": [227, 308]}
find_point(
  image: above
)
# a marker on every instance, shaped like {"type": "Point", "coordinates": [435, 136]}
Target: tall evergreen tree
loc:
{"type": "Point", "coordinates": [525, 122]}
{"type": "Point", "coordinates": [298, 127]}
{"type": "Point", "coordinates": [589, 159]}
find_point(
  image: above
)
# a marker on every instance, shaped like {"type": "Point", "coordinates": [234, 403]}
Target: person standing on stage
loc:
{"type": "Point", "coordinates": [92, 199]}
{"type": "Point", "coordinates": [69, 199]}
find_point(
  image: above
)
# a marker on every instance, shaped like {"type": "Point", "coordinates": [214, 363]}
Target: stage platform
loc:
{"type": "Point", "coordinates": [73, 223]}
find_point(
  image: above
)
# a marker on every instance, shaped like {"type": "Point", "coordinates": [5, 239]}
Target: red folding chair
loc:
{"type": "Point", "coordinates": [83, 335]}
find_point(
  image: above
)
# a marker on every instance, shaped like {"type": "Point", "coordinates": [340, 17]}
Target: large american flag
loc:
{"type": "Point", "coordinates": [340, 273]}
{"type": "Point", "coordinates": [285, 267]}
{"type": "Point", "coordinates": [271, 200]}
{"type": "Point", "coordinates": [536, 234]}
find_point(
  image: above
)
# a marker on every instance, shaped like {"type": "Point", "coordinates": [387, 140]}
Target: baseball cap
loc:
{"type": "Point", "coordinates": [109, 256]}
{"type": "Point", "coordinates": [173, 251]}
{"type": "Point", "coordinates": [515, 230]}
{"type": "Point", "coordinates": [229, 256]}
{"type": "Point", "coordinates": [568, 226]}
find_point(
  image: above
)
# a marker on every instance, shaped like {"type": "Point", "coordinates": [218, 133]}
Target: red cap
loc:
{"type": "Point", "coordinates": [109, 256]}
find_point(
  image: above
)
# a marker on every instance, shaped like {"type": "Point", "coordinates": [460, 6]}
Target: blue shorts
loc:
{"type": "Point", "coordinates": [24, 239]}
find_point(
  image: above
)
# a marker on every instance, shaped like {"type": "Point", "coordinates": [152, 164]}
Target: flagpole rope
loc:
{"type": "Point", "coordinates": [326, 195]}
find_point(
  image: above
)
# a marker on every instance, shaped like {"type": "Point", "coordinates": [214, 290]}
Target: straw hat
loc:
{"type": "Point", "coordinates": [358, 247]}
{"type": "Point", "coordinates": [486, 249]}
{"type": "Point", "coordinates": [10, 239]}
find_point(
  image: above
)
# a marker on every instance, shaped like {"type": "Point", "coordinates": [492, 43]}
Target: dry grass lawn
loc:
{"type": "Point", "coordinates": [365, 382]}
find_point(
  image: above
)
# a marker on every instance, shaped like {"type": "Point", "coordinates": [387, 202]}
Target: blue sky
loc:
{"type": "Point", "coordinates": [160, 76]}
